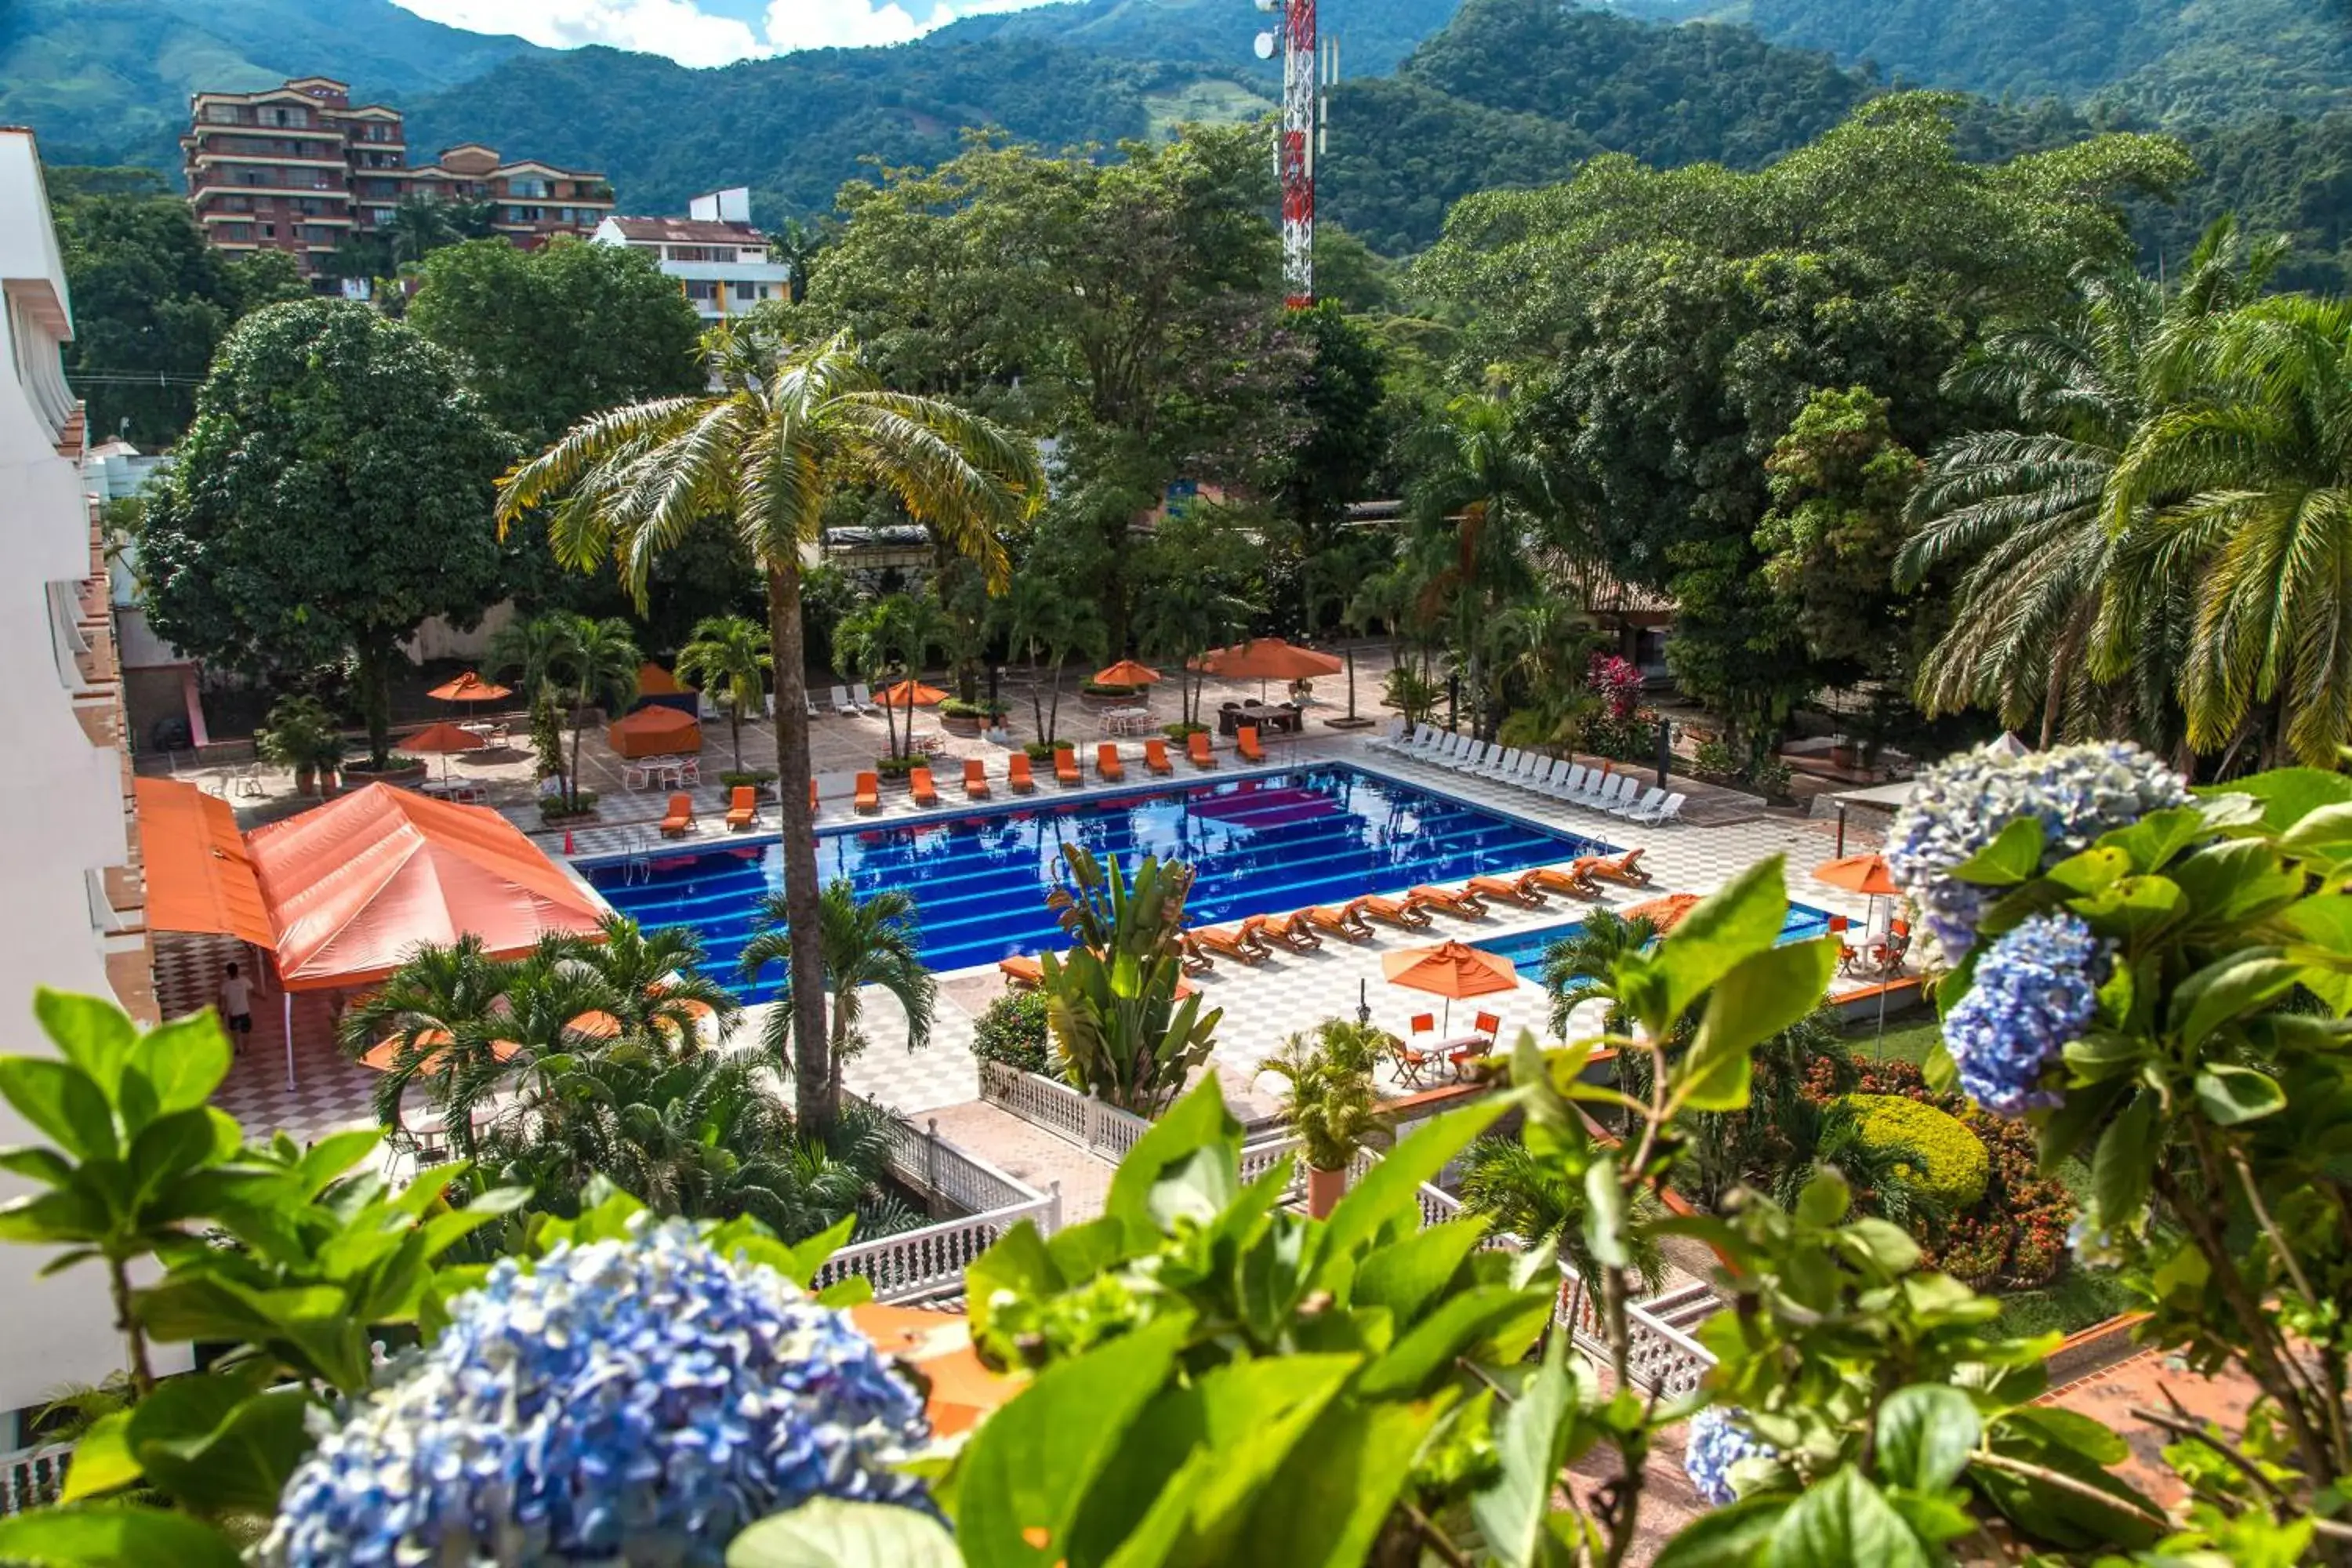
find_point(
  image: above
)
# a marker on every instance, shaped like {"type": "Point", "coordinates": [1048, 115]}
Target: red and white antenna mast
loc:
{"type": "Point", "coordinates": [1307, 68]}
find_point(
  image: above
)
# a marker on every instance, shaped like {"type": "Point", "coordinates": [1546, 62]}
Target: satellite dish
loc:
{"type": "Point", "coordinates": [1264, 46]}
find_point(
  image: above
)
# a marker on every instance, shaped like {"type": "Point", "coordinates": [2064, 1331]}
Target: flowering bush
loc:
{"type": "Point", "coordinates": [1960, 805]}
{"type": "Point", "coordinates": [1617, 682]}
{"type": "Point", "coordinates": [1718, 1440]}
{"type": "Point", "coordinates": [2036, 989]}
{"type": "Point", "coordinates": [640, 1400]}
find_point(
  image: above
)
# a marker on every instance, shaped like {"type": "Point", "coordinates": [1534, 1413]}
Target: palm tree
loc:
{"type": "Point", "coordinates": [874, 941]}
{"type": "Point", "coordinates": [892, 635]}
{"type": "Point", "coordinates": [1535, 1200]}
{"type": "Point", "coordinates": [446, 1007]}
{"type": "Point", "coordinates": [728, 656]}
{"type": "Point", "coordinates": [1187, 616]}
{"type": "Point", "coordinates": [1048, 622]}
{"type": "Point", "coordinates": [1581, 967]}
{"type": "Point", "coordinates": [653, 981]}
{"type": "Point", "coordinates": [1480, 496]}
{"type": "Point", "coordinates": [541, 657]}
{"type": "Point", "coordinates": [1330, 1102]}
{"type": "Point", "coordinates": [790, 426]}
{"type": "Point", "coordinates": [2244, 496]}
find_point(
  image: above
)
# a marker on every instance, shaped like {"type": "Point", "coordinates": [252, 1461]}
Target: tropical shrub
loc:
{"type": "Point", "coordinates": [1410, 692]}
{"type": "Point", "coordinates": [1617, 681]}
{"type": "Point", "coordinates": [1634, 738]}
{"type": "Point", "coordinates": [1942, 1155]}
{"type": "Point", "coordinates": [957, 708]}
{"type": "Point", "coordinates": [579, 806]}
{"type": "Point", "coordinates": [1012, 1030]}
{"type": "Point", "coordinates": [1328, 1101]}
{"type": "Point", "coordinates": [1119, 1031]}
{"type": "Point", "coordinates": [752, 778]}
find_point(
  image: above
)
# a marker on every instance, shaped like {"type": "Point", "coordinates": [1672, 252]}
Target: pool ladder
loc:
{"type": "Point", "coordinates": [639, 866]}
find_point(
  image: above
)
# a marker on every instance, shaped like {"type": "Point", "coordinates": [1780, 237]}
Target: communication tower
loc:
{"type": "Point", "coordinates": [1309, 67]}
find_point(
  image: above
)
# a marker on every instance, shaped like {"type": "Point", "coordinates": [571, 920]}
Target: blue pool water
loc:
{"type": "Point", "coordinates": [1260, 845]}
{"type": "Point", "coordinates": [1526, 949]}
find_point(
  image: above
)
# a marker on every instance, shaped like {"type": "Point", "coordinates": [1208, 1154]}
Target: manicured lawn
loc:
{"type": "Point", "coordinates": [1907, 1039]}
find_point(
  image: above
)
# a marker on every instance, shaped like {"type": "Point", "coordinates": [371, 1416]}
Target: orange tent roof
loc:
{"type": "Point", "coordinates": [443, 737]}
{"type": "Point", "coordinates": [1268, 658]}
{"type": "Point", "coordinates": [652, 720]}
{"type": "Point", "coordinates": [385, 1053]}
{"type": "Point", "coordinates": [354, 886]}
{"type": "Point", "coordinates": [1127, 672]}
{"type": "Point", "coordinates": [909, 693]}
{"type": "Point", "coordinates": [199, 876]}
{"type": "Point", "coordinates": [653, 680]}
{"type": "Point", "coordinates": [1451, 970]}
{"type": "Point", "coordinates": [469, 688]}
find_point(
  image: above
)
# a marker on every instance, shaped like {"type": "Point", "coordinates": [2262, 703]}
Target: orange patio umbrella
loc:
{"type": "Point", "coordinates": [442, 739]}
{"type": "Point", "coordinates": [1858, 874]}
{"type": "Point", "coordinates": [469, 688]}
{"type": "Point", "coordinates": [910, 694]}
{"type": "Point", "coordinates": [1451, 969]}
{"type": "Point", "coordinates": [1127, 672]}
{"type": "Point", "coordinates": [1268, 658]}
{"type": "Point", "coordinates": [597, 1026]}
{"type": "Point", "coordinates": [385, 1054]}
{"type": "Point", "coordinates": [1663, 913]}
{"type": "Point", "coordinates": [939, 1345]}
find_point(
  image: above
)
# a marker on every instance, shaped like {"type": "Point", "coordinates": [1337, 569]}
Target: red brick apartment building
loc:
{"type": "Point", "coordinates": [299, 168]}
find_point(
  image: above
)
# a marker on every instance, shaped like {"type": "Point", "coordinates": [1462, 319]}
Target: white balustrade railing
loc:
{"type": "Point", "coordinates": [917, 1264]}
{"type": "Point", "coordinates": [31, 1477]}
{"type": "Point", "coordinates": [1092, 1124]}
{"type": "Point", "coordinates": [932, 1165]}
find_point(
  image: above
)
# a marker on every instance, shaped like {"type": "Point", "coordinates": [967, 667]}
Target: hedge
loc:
{"type": "Point", "coordinates": [1956, 1166]}
{"type": "Point", "coordinates": [1012, 1031]}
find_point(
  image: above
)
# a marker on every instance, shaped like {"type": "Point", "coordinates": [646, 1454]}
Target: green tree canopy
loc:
{"type": "Point", "coordinates": [334, 492]}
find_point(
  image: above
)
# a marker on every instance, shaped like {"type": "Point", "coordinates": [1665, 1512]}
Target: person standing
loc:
{"type": "Point", "coordinates": [236, 1006]}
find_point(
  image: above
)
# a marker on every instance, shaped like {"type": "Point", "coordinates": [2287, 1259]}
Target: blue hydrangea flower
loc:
{"type": "Point", "coordinates": [1959, 806]}
{"type": "Point", "coordinates": [1720, 1439]}
{"type": "Point", "coordinates": [637, 1402]}
{"type": "Point", "coordinates": [2036, 989]}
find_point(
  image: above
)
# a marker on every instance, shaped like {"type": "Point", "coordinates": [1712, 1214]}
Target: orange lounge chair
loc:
{"type": "Point", "coordinates": [1108, 764]}
{"type": "Point", "coordinates": [1022, 972]}
{"type": "Point", "coordinates": [1235, 945]}
{"type": "Point", "coordinates": [1017, 776]}
{"type": "Point", "coordinates": [1196, 746]}
{"type": "Point", "coordinates": [1625, 867]}
{"type": "Point", "coordinates": [680, 817]}
{"type": "Point", "coordinates": [743, 808]}
{"type": "Point", "coordinates": [869, 793]}
{"type": "Point", "coordinates": [1065, 766]}
{"type": "Point", "coordinates": [1452, 901]}
{"type": "Point", "coordinates": [1246, 742]}
{"type": "Point", "coordinates": [1290, 930]}
{"type": "Point", "coordinates": [1155, 757]}
{"type": "Point", "coordinates": [1576, 881]}
{"type": "Point", "coordinates": [1399, 912]}
{"type": "Point", "coordinates": [1189, 954]}
{"type": "Point", "coordinates": [918, 782]}
{"type": "Point", "coordinates": [1523, 891]}
{"type": "Point", "coordinates": [975, 779]}
{"type": "Point", "coordinates": [1346, 923]}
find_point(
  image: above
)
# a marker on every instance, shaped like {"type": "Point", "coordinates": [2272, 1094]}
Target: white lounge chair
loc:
{"type": "Point", "coordinates": [1629, 789]}
{"type": "Point", "coordinates": [841, 702]}
{"type": "Point", "coordinates": [1598, 788]}
{"type": "Point", "coordinates": [1667, 810]}
{"type": "Point", "coordinates": [1478, 758]}
{"type": "Point", "coordinates": [1501, 767]}
{"type": "Point", "coordinates": [1533, 770]}
{"type": "Point", "coordinates": [1465, 754]}
{"type": "Point", "coordinates": [1568, 784]}
{"type": "Point", "coordinates": [1391, 737]}
{"type": "Point", "coordinates": [864, 700]}
{"type": "Point", "coordinates": [1425, 739]}
{"type": "Point", "coordinates": [1457, 751]}
{"type": "Point", "coordinates": [813, 712]}
{"type": "Point", "coordinates": [1634, 808]}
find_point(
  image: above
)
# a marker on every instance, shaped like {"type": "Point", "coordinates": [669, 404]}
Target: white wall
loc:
{"type": "Point", "coordinates": [60, 796]}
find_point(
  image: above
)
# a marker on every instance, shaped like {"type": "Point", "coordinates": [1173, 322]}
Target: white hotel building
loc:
{"type": "Point", "coordinates": [717, 258]}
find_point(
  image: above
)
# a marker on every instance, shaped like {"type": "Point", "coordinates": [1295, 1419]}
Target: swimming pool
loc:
{"type": "Point", "coordinates": [1260, 845]}
{"type": "Point", "coordinates": [1526, 949]}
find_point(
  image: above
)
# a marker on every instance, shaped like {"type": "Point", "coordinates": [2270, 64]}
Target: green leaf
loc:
{"type": "Point", "coordinates": [102, 1460]}
{"type": "Point", "coordinates": [91, 1032]}
{"type": "Point", "coordinates": [1742, 919]}
{"type": "Point", "coordinates": [1325, 1506]}
{"type": "Point", "coordinates": [2286, 794]}
{"type": "Point", "coordinates": [2123, 1166]}
{"type": "Point", "coordinates": [2322, 836]}
{"type": "Point", "coordinates": [1606, 1213]}
{"type": "Point", "coordinates": [1406, 1276]}
{"type": "Point", "coordinates": [1510, 1510]}
{"type": "Point", "coordinates": [2228, 989]}
{"type": "Point", "coordinates": [1028, 1467]}
{"type": "Point", "coordinates": [1924, 1434]}
{"type": "Point", "coordinates": [1844, 1522]}
{"type": "Point", "coordinates": [215, 1445]}
{"type": "Point", "coordinates": [2234, 1094]}
{"type": "Point", "coordinates": [63, 1102]}
{"type": "Point", "coordinates": [842, 1294]}
{"type": "Point", "coordinates": [2156, 837]}
{"type": "Point", "coordinates": [2013, 856]}
{"type": "Point", "coordinates": [827, 1532]}
{"type": "Point", "coordinates": [1727, 1537]}
{"type": "Point", "coordinates": [1825, 1200]}
{"type": "Point", "coordinates": [1197, 1123]}
{"type": "Point", "coordinates": [1490, 1322]}
{"type": "Point", "coordinates": [1762, 995]}
{"type": "Point", "coordinates": [99, 1535]}
{"type": "Point", "coordinates": [184, 1061]}
{"type": "Point", "coordinates": [1389, 1193]}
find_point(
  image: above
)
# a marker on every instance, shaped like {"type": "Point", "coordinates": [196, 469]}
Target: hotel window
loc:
{"type": "Point", "coordinates": [696, 289]}
{"type": "Point", "coordinates": [237, 231]}
{"type": "Point", "coordinates": [269, 231]}
{"type": "Point", "coordinates": [319, 233]}
{"type": "Point", "coordinates": [746, 292]}
{"type": "Point", "coordinates": [527, 188]}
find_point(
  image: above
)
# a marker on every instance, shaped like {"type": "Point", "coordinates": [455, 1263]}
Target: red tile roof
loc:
{"type": "Point", "coordinates": [688, 231]}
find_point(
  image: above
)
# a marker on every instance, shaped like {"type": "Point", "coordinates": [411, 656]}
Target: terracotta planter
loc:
{"type": "Point", "coordinates": [1324, 1191]}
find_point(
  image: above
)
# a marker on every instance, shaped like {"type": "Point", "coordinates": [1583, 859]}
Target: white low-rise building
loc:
{"type": "Point", "coordinates": [717, 258]}
{"type": "Point", "coordinates": [75, 914]}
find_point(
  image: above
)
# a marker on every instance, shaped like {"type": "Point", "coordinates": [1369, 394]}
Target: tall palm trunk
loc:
{"type": "Point", "coordinates": [579, 711]}
{"type": "Point", "coordinates": [815, 1092]}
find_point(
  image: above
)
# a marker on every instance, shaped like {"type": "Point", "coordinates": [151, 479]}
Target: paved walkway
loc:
{"type": "Point", "coordinates": [1025, 1151]}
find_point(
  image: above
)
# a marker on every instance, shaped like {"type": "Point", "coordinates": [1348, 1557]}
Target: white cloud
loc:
{"type": "Point", "coordinates": [689, 33]}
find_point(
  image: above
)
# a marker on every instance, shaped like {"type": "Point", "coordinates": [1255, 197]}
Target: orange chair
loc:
{"type": "Point", "coordinates": [1291, 930]}
{"type": "Point", "coordinates": [1107, 764]}
{"type": "Point", "coordinates": [918, 782]}
{"type": "Point", "coordinates": [1155, 757]}
{"type": "Point", "coordinates": [869, 793]}
{"type": "Point", "coordinates": [1487, 1024]}
{"type": "Point", "coordinates": [1347, 923]}
{"type": "Point", "coordinates": [1848, 954]}
{"type": "Point", "coordinates": [1576, 881]}
{"type": "Point", "coordinates": [1411, 1063]}
{"type": "Point", "coordinates": [1235, 945]}
{"type": "Point", "coordinates": [1246, 742]}
{"type": "Point", "coordinates": [680, 817]}
{"type": "Point", "coordinates": [1625, 867]}
{"type": "Point", "coordinates": [1021, 973]}
{"type": "Point", "coordinates": [1523, 891]}
{"type": "Point", "coordinates": [1017, 776]}
{"type": "Point", "coordinates": [743, 808]}
{"type": "Point", "coordinates": [1451, 900]}
{"type": "Point", "coordinates": [1065, 766]}
{"type": "Point", "coordinates": [1196, 746]}
{"type": "Point", "coordinates": [975, 779]}
{"type": "Point", "coordinates": [1399, 912]}
{"type": "Point", "coordinates": [812, 797]}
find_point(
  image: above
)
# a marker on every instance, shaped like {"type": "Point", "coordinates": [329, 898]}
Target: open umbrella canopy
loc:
{"type": "Point", "coordinates": [469, 688]}
{"type": "Point", "coordinates": [1127, 672]}
{"type": "Point", "coordinates": [1666, 913]}
{"type": "Point", "coordinates": [385, 1054]}
{"type": "Point", "coordinates": [1451, 970]}
{"type": "Point", "coordinates": [910, 694]}
{"type": "Point", "coordinates": [444, 738]}
{"type": "Point", "coordinates": [1268, 658]}
{"type": "Point", "coordinates": [1858, 874]}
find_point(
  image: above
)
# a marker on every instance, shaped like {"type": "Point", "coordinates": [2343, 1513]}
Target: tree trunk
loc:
{"type": "Point", "coordinates": [735, 727]}
{"type": "Point", "coordinates": [1036, 693]}
{"type": "Point", "coordinates": [375, 698]}
{"type": "Point", "coordinates": [572, 781]}
{"type": "Point", "coordinates": [804, 911]}
{"type": "Point", "coordinates": [1352, 682]}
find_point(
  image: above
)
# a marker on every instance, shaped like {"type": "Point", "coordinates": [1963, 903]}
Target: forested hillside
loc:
{"type": "Point", "coordinates": [108, 81]}
{"type": "Point", "coordinates": [1373, 35]}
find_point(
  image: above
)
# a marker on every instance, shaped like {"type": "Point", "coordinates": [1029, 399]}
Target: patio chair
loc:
{"type": "Point", "coordinates": [1065, 766]}
{"type": "Point", "coordinates": [863, 700]}
{"type": "Point", "coordinates": [1598, 788]}
{"type": "Point", "coordinates": [1196, 746]}
{"type": "Point", "coordinates": [1504, 766]}
{"type": "Point", "coordinates": [1849, 956]}
{"type": "Point", "coordinates": [1411, 1062]}
{"type": "Point", "coordinates": [842, 704]}
{"type": "Point", "coordinates": [1291, 931]}
{"type": "Point", "coordinates": [1017, 776]}
{"type": "Point", "coordinates": [1650, 798]}
{"type": "Point", "coordinates": [1022, 972]}
{"type": "Point", "coordinates": [689, 771]}
{"type": "Point", "coordinates": [1468, 758]}
{"type": "Point", "coordinates": [1625, 867]}
{"type": "Point", "coordinates": [975, 779]}
{"type": "Point", "coordinates": [1235, 945]}
{"type": "Point", "coordinates": [1425, 739]}
{"type": "Point", "coordinates": [919, 786]}
{"type": "Point", "coordinates": [1887, 955]}
{"type": "Point", "coordinates": [1624, 801]}
{"type": "Point", "coordinates": [681, 816]}
{"type": "Point", "coordinates": [1246, 742]}
{"type": "Point", "coordinates": [1155, 756]}
{"type": "Point", "coordinates": [1107, 765]}
{"type": "Point", "coordinates": [1576, 880]}
{"type": "Point", "coordinates": [868, 795]}
{"type": "Point", "coordinates": [1567, 785]}
{"type": "Point", "coordinates": [1402, 913]}
{"type": "Point", "coordinates": [1667, 810]}
{"type": "Point", "coordinates": [1521, 891]}
{"type": "Point", "coordinates": [1452, 901]}
{"type": "Point", "coordinates": [1392, 736]}
{"type": "Point", "coordinates": [742, 809]}
{"type": "Point", "coordinates": [1346, 923]}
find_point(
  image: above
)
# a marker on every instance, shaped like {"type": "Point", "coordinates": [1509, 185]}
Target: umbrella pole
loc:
{"type": "Point", "coordinates": [289, 996]}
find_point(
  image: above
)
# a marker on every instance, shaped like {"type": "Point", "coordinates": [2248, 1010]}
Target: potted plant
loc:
{"type": "Point", "coordinates": [300, 736]}
{"type": "Point", "coordinates": [1330, 1104]}
{"type": "Point", "coordinates": [1096, 697]}
{"type": "Point", "coordinates": [957, 717]}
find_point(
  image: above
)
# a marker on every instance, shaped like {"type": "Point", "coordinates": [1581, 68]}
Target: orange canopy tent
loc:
{"type": "Point", "coordinates": [653, 680]}
{"type": "Point", "coordinates": [469, 688]}
{"type": "Point", "coordinates": [654, 732]}
{"type": "Point", "coordinates": [1451, 969]}
{"type": "Point", "coordinates": [199, 876]}
{"type": "Point", "coordinates": [1127, 672]}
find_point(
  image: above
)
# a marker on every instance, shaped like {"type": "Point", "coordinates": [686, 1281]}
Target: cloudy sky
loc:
{"type": "Point", "coordinates": [708, 32]}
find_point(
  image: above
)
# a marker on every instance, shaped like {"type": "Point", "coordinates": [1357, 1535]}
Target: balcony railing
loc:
{"type": "Point", "coordinates": [1090, 1123]}
{"type": "Point", "coordinates": [32, 1477]}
